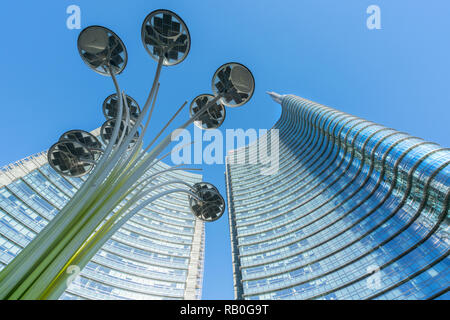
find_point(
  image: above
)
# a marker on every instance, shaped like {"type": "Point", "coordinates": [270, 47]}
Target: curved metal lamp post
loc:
{"type": "Point", "coordinates": [119, 183]}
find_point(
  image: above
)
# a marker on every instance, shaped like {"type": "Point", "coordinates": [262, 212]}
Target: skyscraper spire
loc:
{"type": "Point", "coordinates": [275, 96]}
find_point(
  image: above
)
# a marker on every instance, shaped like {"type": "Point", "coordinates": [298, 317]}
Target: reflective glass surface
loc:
{"type": "Point", "coordinates": [355, 211]}
{"type": "Point", "coordinates": [148, 258]}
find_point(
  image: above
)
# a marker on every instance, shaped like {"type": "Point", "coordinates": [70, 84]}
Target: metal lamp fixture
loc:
{"type": "Point", "coordinates": [119, 182]}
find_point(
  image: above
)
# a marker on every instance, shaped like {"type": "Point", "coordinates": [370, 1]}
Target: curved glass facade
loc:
{"type": "Point", "coordinates": [355, 211]}
{"type": "Point", "coordinates": [158, 254]}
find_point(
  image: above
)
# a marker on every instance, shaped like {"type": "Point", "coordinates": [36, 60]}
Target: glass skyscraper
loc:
{"type": "Point", "coordinates": [158, 254]}
{"type": "Point", "coordinates": [355, 211]}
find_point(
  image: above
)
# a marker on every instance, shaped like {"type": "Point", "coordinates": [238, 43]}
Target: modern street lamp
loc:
{"type": "Point", "coordinates": [119, 182]}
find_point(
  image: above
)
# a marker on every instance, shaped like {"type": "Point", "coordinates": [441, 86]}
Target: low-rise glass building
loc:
{"type": "Point", "coordinates": [157, 254]}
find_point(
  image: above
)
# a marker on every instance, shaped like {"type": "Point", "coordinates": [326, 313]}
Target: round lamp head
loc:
{"type": "Point", "coordinates": [107, 129]}
{"type": "Point", "coordinates": [210, 206]}
{"type": "Point", "coordinates": [85, 138]}
{"type": "Point", "coordinates": [70, 158]}
{"type": "Point", "coordinates": [111, 108]}
{"type": "Point", "coordinates": [164, 33]}
{"type": "Point", "coordinates": [213, 117]}
{"type": "Point", "coordinates": [235, 83]}
{"type": "Point", "coordinates": [101, 49]}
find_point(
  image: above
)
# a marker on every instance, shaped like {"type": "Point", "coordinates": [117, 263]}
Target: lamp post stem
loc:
{"type": "Point", "coordinates": [59, 284]}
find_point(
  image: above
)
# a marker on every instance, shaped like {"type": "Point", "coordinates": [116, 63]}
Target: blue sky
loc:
{"type": "Point", "coordinates": [398, 76]}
